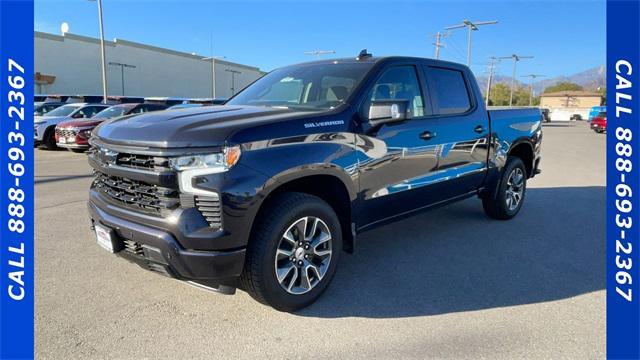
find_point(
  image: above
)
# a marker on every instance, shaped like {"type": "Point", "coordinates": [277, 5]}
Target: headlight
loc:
{"type": "Point", "coordinates": [191, 166]}
{"type": "Point", "coordinates": [220, 161]}
{"type": "Point", "coordinates": [85, 133]}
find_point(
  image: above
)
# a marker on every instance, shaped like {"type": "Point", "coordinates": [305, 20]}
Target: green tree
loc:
{"type": "Point", "coordinates": [501, 93]}
{"type": "Point", "coordinates": [563, 86]}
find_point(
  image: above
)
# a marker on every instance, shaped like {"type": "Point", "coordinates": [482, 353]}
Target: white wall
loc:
{"type": "Point", "coordinates": [75, 62]}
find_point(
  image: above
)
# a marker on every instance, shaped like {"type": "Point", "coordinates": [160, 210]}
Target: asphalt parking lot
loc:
{"type": "Point", "coordinates": [449, 283]}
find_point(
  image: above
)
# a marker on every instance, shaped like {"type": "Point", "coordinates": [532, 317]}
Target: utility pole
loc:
{"type": "Point", "coordinates": [317, 53]}
{"type": "Point", "coordinates": [102, 55]}
{"type": "Point", "coordinates": [438, 44]}
{"type": "Point", "coordinates": [533, 78]}
{"type": "Point", "coordinates": [233, 80]}
{"type": "Point", "coordinates": [471, 26]}
{"type": "Point", "coordinates": [213, 73]}
{"type": "Point", "coordinates": [493, 61]}
{"type": "Point", "coordinates": [122, 66]}
{"type": "Point", "coordinates": [515, 59]}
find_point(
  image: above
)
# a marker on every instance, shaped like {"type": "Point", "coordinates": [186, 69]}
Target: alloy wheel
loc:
{"type": "Point", "coordinates": [303, 255]}
{"type": "Point", "coordinates": [515, 188]}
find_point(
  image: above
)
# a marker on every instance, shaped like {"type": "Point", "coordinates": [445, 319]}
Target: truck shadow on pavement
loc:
{"type": "Point", "coordinates": [456, 259]}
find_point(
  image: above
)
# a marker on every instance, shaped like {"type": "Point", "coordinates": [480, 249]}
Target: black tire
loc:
{"type": "Point", "coordinates": [78, 151]}
{"type": "Point", "coordinates": [496, 205]}
{"type": "Point", "coordinates": [259, 276]}
{"type": "Point", "coordinates": [49, 139]}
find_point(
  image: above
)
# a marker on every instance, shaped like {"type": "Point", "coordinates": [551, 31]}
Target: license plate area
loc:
{"type": "Point", "coordinates": [106, 239]}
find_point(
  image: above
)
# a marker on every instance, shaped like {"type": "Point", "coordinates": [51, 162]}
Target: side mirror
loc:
{"type": "Point", "coordinates": [388, 111]}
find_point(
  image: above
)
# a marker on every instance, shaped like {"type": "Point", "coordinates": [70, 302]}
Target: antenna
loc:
{"type": "Point", "coordinates": [363, 55]}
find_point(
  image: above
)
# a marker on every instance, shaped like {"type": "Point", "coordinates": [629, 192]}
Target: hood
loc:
{"type": "Point", "coordinates": [190, 127]}
{"type": "Point", "coordinates": [81, 123]}
{"type": "Point", "coordinates": [49, 119]}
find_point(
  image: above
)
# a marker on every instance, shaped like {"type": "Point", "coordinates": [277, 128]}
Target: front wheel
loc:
{"type": "Point", "coordinates": [293, 252]}
{"type": "Point", "coordinates": [507, 200]}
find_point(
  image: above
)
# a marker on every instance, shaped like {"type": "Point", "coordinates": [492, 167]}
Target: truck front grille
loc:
{"type": "Point", "coordinates": [137, 195]}
{"type": "Point", "coordinates": [65, 133]}
{"type": "Point", "coordinates": [209, 207]}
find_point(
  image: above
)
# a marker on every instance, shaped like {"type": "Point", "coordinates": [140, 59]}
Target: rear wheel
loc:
{"type": "Point", "coordinates": [293, 253]}
{"type": "Point", "coordinates": [78, 151]}
{"type": "Point", "coordinates": [509, 196]}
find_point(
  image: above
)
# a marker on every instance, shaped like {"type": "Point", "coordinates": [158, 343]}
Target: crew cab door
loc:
{"type": "Point", "coordinates": [396, 159]}
{"type": "Point", "coordinates": [463, 132]}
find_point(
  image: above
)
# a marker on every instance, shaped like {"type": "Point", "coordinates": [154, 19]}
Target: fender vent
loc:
{"type": "Point", "coordinates": [209, 207]}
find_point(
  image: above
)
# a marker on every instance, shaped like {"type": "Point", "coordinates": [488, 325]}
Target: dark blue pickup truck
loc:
{"type": "Point", "coordinates": [266, 192]}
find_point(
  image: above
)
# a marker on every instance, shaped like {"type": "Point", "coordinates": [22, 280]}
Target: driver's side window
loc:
{"type": "Point", "coordinates": [399, 83]}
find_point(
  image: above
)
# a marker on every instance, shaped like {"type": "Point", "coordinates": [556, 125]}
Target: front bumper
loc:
{"type": "Point", "coordinates": [598, 127]}
{"type": "Point", "coordinates": [158, 250]}
{"type": "Point", "coordinates": [38, 131]}
{"type": "Point", "coordinates": [73, 146]}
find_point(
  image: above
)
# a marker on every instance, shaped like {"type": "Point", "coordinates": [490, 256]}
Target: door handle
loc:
{"type": "Point", "coordinates": [427, 135]}
{"type": "Point", "coordinates": [479, 129]}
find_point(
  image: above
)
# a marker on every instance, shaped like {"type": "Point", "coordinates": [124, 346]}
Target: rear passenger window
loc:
{"type": "Point", "coordinates": [450, 91]}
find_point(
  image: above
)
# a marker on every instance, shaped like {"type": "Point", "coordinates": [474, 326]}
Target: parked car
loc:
{"type": "Point", "coordinates": [595, 111]}
{"type": "Point", "coordinates": [599, 122]}
{"type": "Point", "coordinates": [41, 108]}
{"type": "Point", "coordinates": [74, 134]}
{"type": "Point", "coordinates": [184, 106]}
{"type": "Point", "coordinates": [44, 126]}
{"type": "Point", "coordinates": [265, 192]}
{"type": "Point", "coordinates": [546, 114]}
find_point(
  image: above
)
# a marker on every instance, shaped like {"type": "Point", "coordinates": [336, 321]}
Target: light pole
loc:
{"type": "Point", "coordinates": [493, 61]}
{"type": "Point", "coordinates": [122, 66]}
{"type": "Point", "coordinates": [471, 26]}
{"type": "Point", "coordinates": [213, 73]}
{"type": "Point", "coordinates": [317, 53]}
{"type": "Point", "coordinates": [438, 44]}
{"type": "Point", "coordinates": [233, 80]}
{"type": "Point", "coordinates": [533, 78]}
{"type": "Point", "coordinates": [515, 58]}
{"type": "Point", "coordinates": [102, 56]}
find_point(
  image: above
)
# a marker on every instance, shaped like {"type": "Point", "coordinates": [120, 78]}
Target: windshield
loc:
{"type": "Point", "coordinates": [309, 87]}
{"type": "Point", "coordinates": [111, 112]}
{"type": "Point", "coordinates": [64, 110]}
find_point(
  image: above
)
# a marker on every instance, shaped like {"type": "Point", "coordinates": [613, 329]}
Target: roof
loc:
{"type": "Point", "coordinates": [49, 36]}
{"type": "Point", "coordinates": [572, 93]}
{"type": "Point", "coordinates": [374, 59]}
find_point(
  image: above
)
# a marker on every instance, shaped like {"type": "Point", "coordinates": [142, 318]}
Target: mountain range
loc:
{"type": "Point", "coordinates": [589, 79]}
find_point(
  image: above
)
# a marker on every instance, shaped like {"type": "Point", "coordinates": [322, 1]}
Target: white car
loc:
{"type": "Point", "coordinates": [45, 126]}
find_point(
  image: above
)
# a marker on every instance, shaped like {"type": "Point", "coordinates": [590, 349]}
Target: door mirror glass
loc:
{"type": "Point", "coordinates": [388, 111]}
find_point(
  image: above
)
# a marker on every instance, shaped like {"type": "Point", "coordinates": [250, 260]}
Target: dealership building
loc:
{"type": "Point", "coordinates": [70, 64]}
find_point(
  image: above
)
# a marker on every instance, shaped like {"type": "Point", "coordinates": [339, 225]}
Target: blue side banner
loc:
{"type": "Point", "coordinates": [16, 179]}
{"type": "Point", "coordinates": [623, 180]}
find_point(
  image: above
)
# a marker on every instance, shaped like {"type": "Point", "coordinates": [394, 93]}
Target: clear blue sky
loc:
{"type": "Point", "coordinates": [565, 37]}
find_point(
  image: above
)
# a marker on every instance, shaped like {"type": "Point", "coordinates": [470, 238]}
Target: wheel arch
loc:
{"type": "Point", "coordinates": [328, 182]}
{"type": "Point", "coordinates": [523, 149]}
